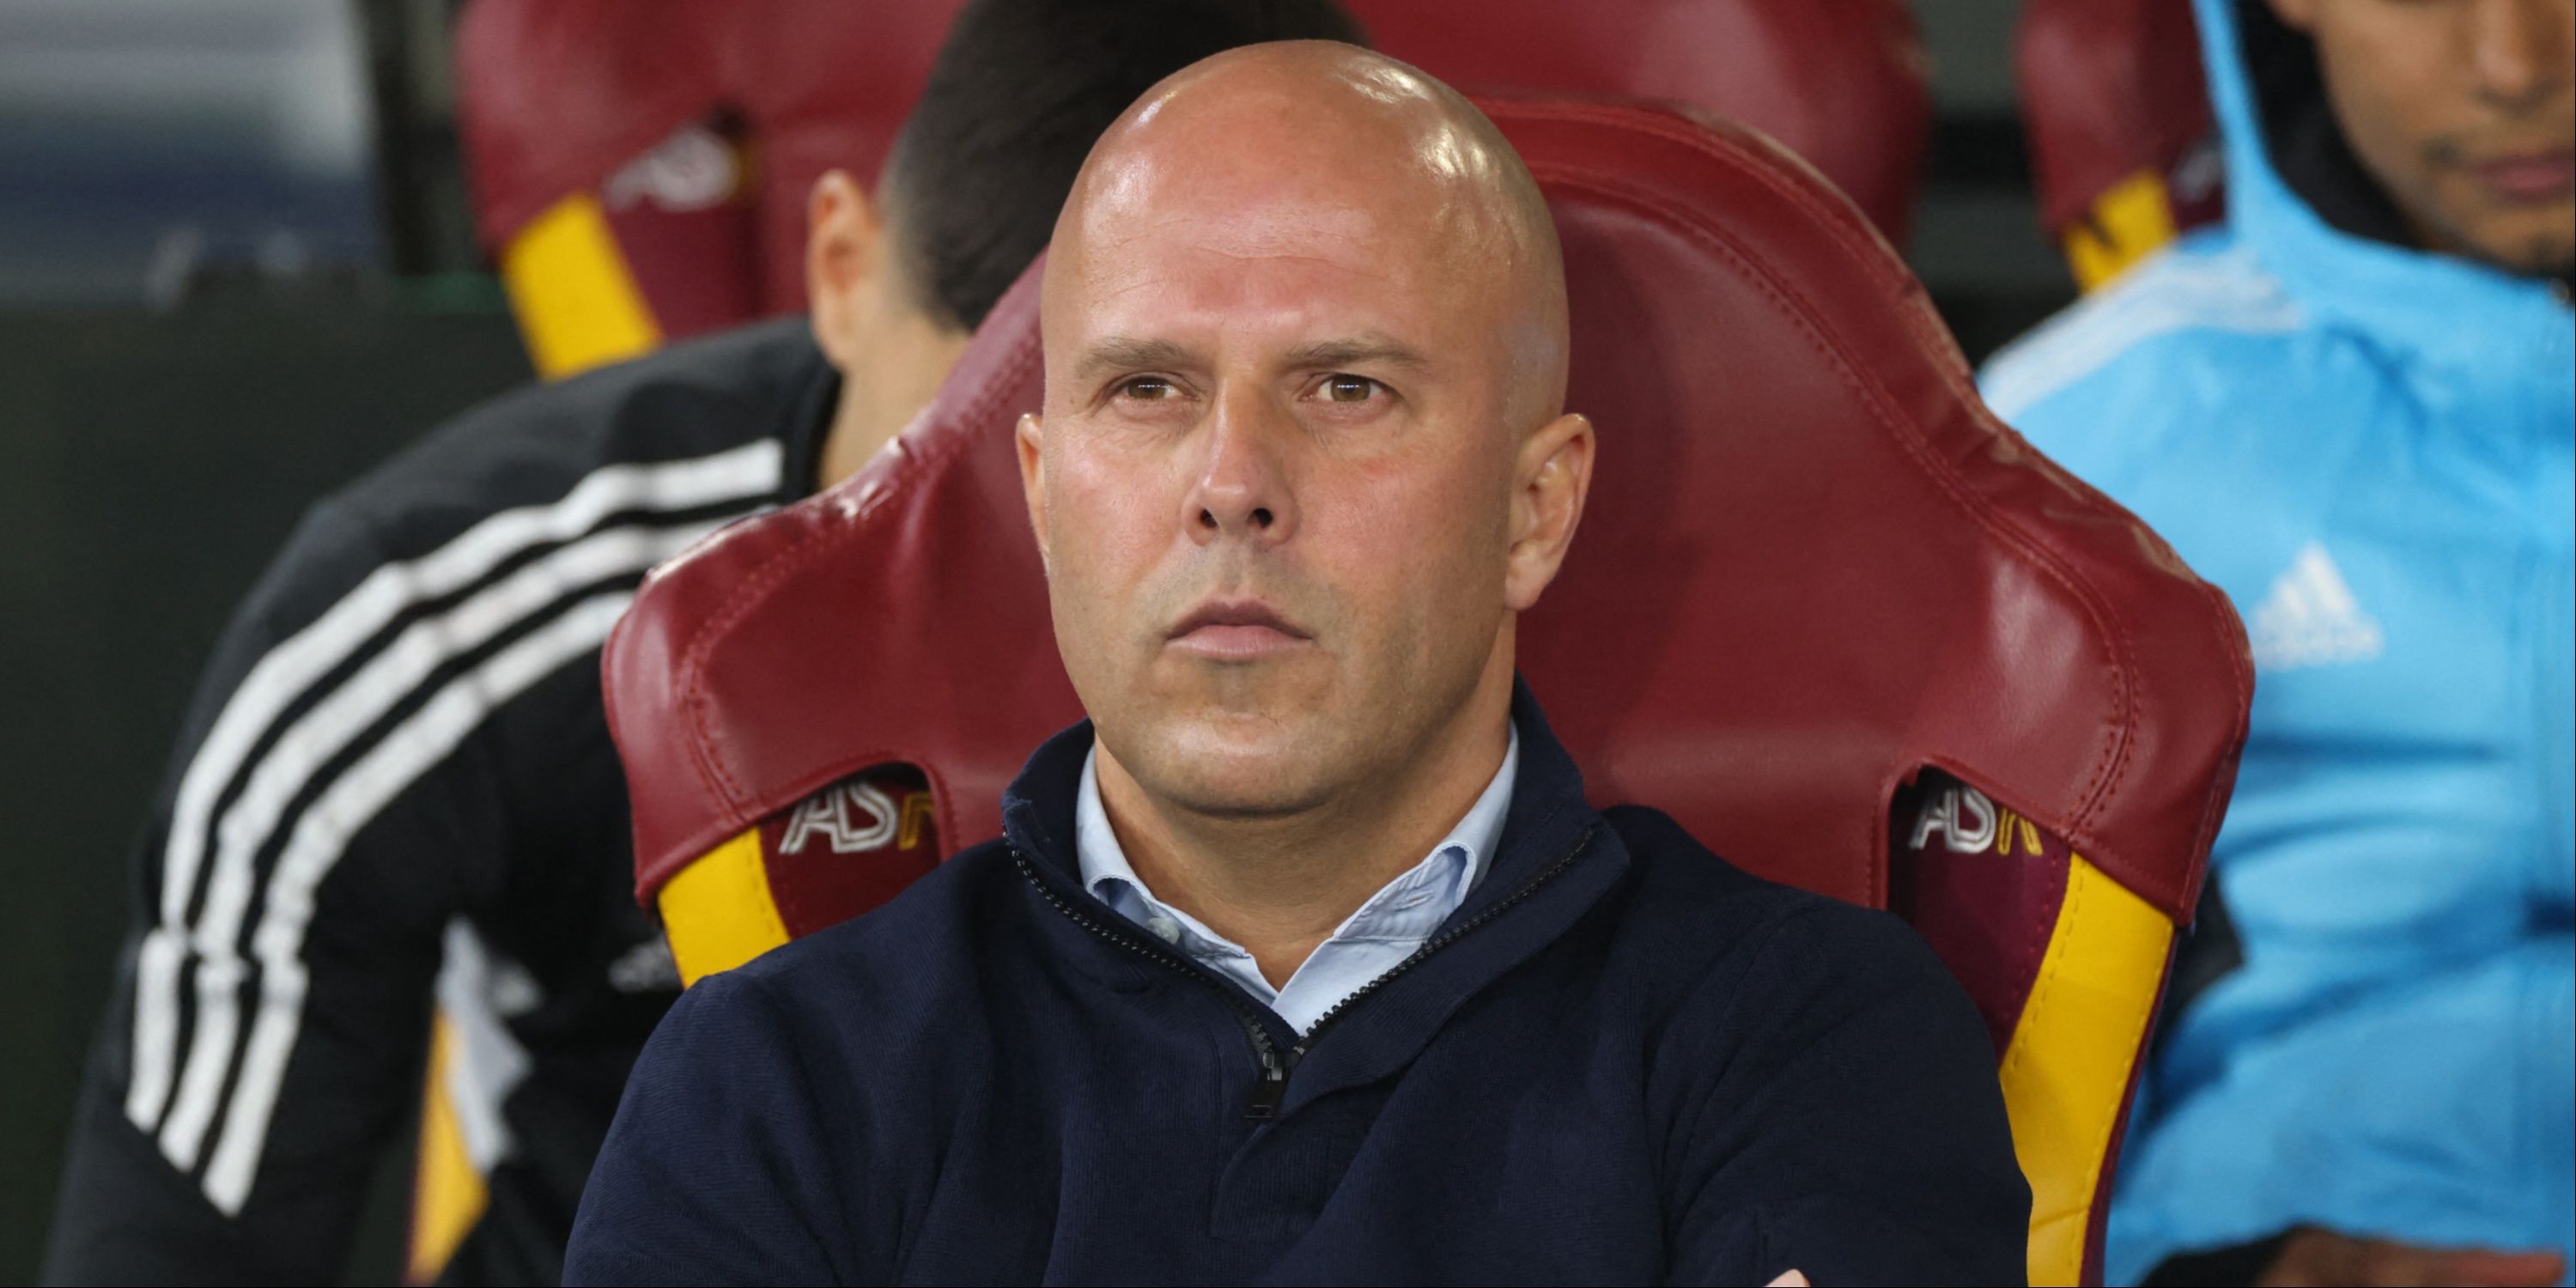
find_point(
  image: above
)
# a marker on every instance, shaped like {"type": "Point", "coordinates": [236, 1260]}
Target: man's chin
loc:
{"type": "Point", "coordinates": [1233, 764]}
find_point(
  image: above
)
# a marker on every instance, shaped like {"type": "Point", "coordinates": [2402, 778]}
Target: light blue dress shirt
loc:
{"type": "Point", "coordinates": [1387, 929]}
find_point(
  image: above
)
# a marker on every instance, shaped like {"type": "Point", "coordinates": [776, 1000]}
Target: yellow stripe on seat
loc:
{"type": "Point", "coordinates": [2066, 1071]}
{"type": "Point", "coordinates": [718, 912]}
{"type": "Point", "coordinates": [447, 1196]}
{"type": "Point", "coordinates": [2126, 224]}
{"type": "Point", "coordinates": [576, 299]}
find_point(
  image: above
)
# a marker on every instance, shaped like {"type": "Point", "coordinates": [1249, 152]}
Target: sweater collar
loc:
{"type": "Point", "coordinates": [1556, 860]}
{"type": "Point", "coordinates": [1547, 806]}
{"type": "Point", "coordinates": [1408, 907]}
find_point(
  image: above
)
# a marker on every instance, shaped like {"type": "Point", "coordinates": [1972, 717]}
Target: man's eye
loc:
{"type": "Point", "coordinates": [1348, 389]}
{"type": "Point", "coordinates": [1146, 389]}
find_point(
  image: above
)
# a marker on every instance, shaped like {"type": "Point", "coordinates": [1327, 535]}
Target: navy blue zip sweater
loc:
{"type": "Point", "coordinates": [1620, 1061]}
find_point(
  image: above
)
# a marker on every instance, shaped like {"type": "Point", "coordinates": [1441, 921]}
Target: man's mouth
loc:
{"type": "Point", "coordinates": [2530, 178]}
{"type": "Point", "coordinates": [1235, 630]}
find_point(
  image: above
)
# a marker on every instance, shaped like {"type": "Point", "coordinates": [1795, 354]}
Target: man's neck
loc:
{"type": "Point", "coordinates": [882, 390]}
{"type": "Point", "coordinates": [1280, 885]}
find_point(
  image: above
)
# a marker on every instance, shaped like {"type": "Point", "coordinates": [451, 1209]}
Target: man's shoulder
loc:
{"type": "Point", "coordinates": [2192, 367]}
{"type": "Point", "coordinates": [905, 953]}
{"type": "Point", "coordinates": [2183, 325]}
{"type": "Point", "coordinates": [1719, 931]}
{"type": "Point", "coordinates": [574, 484]}
{"type": "Point", "coordinates": [1685, 874]}
{"type": "Point", "coordinates": [695, 427]}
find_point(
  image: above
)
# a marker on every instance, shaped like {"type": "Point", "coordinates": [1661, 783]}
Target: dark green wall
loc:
{"type": "Point", "coordinates": [149, 467]}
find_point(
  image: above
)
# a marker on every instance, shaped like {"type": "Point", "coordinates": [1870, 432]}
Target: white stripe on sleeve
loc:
{"type": "Point", "coordinates": [321, 835]}
{"type": "Point", "coordinates": [297, 758]}
{"type": "Point", "coordinates": [293, 666]}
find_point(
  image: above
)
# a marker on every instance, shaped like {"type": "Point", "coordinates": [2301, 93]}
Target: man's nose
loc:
{"type": "Point", "coordinates": [1242, 491]}
{"type": "Point", "coordinates": [2521, 51]}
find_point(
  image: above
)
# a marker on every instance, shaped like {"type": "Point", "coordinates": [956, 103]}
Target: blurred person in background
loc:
{"type": "Point", "coordinates": [398, 757]}
{"type": "Point", "coordinates": [2350, 405]}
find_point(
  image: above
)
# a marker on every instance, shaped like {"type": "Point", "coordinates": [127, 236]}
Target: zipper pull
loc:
{"type": "Point", "coordinates": [1267, 1093]}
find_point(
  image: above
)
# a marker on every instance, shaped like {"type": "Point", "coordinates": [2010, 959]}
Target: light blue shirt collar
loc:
{"type": "Point", "coordinates": [1387, 929]}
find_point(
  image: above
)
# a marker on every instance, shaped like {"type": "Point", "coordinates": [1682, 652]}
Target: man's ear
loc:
{"type": "Point", "coordinates": [1549, 482]}
{"type": "Point", "coordinates": [1030, 436]}
{"type": "Point", "coordinates": [846, 254]}
{"type": "Point", "coordinates": [2297, 15]}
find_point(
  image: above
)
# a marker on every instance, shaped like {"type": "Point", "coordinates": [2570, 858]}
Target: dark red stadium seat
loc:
{"type": "Point", "coordinates": [607, 248]}
{"type": "Point", "coordinates": [2123, 141]}
{"type": "Point", "coordinates": [1849, 592]}
{"type": "Point", "coordinates": [599, 132]}
{"type": "Point", "coordinates": [1843, 84]}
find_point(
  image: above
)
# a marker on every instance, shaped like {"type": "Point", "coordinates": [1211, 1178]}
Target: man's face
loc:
{"type": "Point", "coordinates": [2465, 111]}
{"type": "Point", "coordinates": [1277, 466]}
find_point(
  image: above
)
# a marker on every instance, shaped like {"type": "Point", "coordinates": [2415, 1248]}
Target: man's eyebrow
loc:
{"type": "Point", "coordinates": [1128, 353]}
{"type": "Point", "coordinates": [1359, 350]}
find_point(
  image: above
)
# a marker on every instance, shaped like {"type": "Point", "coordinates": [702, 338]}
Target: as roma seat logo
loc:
{"type": "Point", "coordinates": [857, 816]}
{"type": "Point", "coordinates": [1969, 822]}
{"type": "Point", "coordinates": [849, 847]}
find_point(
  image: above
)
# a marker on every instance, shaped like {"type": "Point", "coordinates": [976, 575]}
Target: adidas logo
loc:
{"type": "Point", "coordinates": [2311, 618]}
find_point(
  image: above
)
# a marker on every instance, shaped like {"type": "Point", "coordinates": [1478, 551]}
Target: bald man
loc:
{"type": "Point", "coordinates": [1304, 959]}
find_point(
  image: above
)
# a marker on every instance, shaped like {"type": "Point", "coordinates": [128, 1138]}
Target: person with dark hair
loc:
{"type": "Point", "coordinates": [2352, 406]}
{"type": "Point", "coordinates": [1012, 107]}
{"type": "Point", "coordinates": [396, 785]}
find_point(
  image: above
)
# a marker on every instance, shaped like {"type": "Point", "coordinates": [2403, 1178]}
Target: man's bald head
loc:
{"type": "Point", "coordinates": [1303, 458]}
{"type": "Point", "coordinates": [1327, 122]}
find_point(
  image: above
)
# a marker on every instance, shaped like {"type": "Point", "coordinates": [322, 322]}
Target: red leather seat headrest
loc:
{"type": "Point", "coordinates": [1843, 85]}
{"type": "Point", "coordinates": [2110, 90]}
{"type": "Point", "coordinates": [556, 96]}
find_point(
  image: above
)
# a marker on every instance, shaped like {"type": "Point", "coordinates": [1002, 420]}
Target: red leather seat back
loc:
{"type": "Point", "coordinates": [1841, 84]}
{"type": "Point", "coordinates": [1812, 565]}
{"type": "Point", "coordinates": [594, 100]}
{"type": "Point", "coordinates": [557, 96]}
{"type": "Point", "coordinates": [2123, 141]}
{"type": "Point", "coordinates": [641, 171]}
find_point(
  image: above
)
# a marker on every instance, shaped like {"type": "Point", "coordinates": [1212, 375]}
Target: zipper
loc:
{"type": "Point", "coordinates": [1446, 938]}
{"type": "Point", "coordinates": [1276, 1065]}
{"type": "Point", "coordinates": [1273, 1086]}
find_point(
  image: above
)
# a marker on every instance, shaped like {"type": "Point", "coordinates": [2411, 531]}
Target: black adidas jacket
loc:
{"type": "Point", "coordinates": [395, 794]}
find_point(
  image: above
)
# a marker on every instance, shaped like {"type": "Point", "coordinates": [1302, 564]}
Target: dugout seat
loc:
{"type": "Point", "coordinates": [2123, 141]}
{"type": "Point", "coordinates": [1872, 644]}
{"type": "Point", "coordinates": [640, 171]}
{"type": "Point", "coordinates": [1843, 85]}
